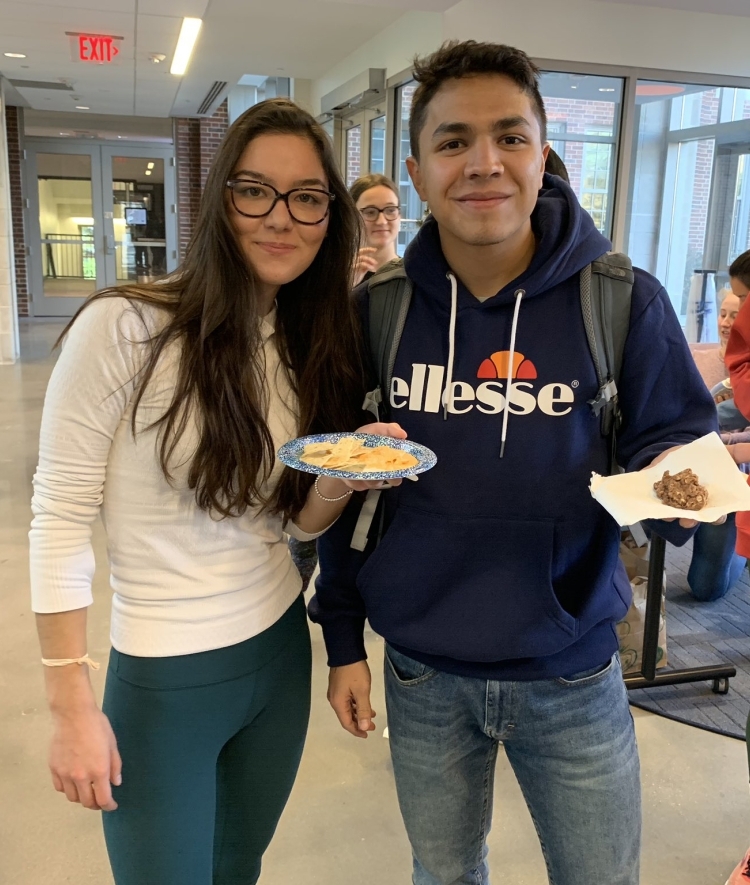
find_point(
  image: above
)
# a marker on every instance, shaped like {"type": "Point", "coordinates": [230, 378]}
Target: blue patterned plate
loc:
{"type": "Point", "coordinates": [289, 454]}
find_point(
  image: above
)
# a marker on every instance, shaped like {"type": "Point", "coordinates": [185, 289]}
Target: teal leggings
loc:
{"type": "Point", "coordinates": [210, 744]}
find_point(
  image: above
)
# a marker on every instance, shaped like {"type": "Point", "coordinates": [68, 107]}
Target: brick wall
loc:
{"type": "Point", "coordinates": [580, 117]}
{"type": "Point", "coordinates": [14, 130]}
{"type": "Point", "coordinates": [704, 162]}
{"type": "Point", "coordinates": [188, 163]}
{"type": "Point", "coordinates": [353, 154]}
{"type": "Point", "coordinates": [196, 143]}
{"type": "Point", "coordinates": [212, 131]}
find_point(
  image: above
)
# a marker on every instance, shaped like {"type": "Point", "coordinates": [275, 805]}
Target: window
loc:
{"type": "Point", "coordinates": [377, 145]}
{"type": "Point", "coordinates": [583, 115]}
{"type": "Point", "coordinates": [412, 208]}
{"type": "Point", "coordinates": [689, 202]}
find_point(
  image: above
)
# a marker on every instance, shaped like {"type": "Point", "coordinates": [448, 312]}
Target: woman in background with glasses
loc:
{"type": "Point", "coordinates": [376, 197]}
{"type": "Point", "coordinates": [164, 411]}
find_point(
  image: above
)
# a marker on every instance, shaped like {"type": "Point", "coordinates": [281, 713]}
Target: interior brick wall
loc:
{"type": "Point", "coordinates": [196, 143]}
{"type": "Point", "coordinates": [14, 133]}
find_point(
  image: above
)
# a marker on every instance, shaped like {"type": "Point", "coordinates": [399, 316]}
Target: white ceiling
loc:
{"type": "Point", "coordinates": [718, 7]}
{"type": "Point", "coordinates": [292, 38]}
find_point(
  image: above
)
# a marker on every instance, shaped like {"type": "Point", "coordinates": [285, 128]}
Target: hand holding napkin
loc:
{"type": "Point", "coordinates": [630, 497]}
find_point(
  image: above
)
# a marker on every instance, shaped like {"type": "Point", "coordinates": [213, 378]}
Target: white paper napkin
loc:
{"type": "Point", "coordinates": [630, 497]}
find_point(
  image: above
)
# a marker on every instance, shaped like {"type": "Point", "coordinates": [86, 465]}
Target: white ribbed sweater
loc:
{"type": "Point", "coordinates": [183, 582]}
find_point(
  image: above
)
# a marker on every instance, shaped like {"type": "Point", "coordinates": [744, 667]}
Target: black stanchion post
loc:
{"type": "Point", "coordinates": [653, 606]}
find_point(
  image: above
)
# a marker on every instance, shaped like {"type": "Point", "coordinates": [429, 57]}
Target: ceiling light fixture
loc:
{"type": "Point", "coordinates": [82, 107]}
{"type": "Point", "coordinates": [150, 166]}
{"type": "Point", "coordinates": [157, 58]}
{"type": "Point", "coordinates": [148, 172]}
{"type": "Point", "coordinates": [14, 55]}
{"type": "Point", "coordinates": [185, 43]}
{"type": "Point", "coordinates": [606, 89]}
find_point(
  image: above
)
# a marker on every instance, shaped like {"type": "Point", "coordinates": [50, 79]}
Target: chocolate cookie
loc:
{"type": "Point", "coordinates": [681, 490]}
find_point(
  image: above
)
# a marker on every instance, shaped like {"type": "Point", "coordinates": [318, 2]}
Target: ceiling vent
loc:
{"type": "Point", "coordinates": [213, 93]}
{"type": "Point", "coordinates": [41, 84]}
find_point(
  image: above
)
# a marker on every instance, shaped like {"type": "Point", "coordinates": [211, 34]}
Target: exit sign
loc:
{"type": "Point", "coordinates": [100, 49]}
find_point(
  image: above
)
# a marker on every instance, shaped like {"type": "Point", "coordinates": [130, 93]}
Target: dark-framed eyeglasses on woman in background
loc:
{"type": "Point", "coordinates": [372, 213]}
{"type": "Point", "coordinates": [254, 199]}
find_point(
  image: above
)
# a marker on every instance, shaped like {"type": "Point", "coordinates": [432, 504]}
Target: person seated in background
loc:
{"type": "Point", "coordinates": [715, 567]}
{"type": "Point", "coordinates": [376, 197]}
{"type": "Point", "coordinates": [709, 358]}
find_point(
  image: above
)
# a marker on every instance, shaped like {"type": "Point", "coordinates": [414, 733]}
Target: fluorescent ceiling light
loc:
{"type": "Point", "coordinates": [82, 107]}
{"type": "Point", "coordinates": [14, 55]}
{"type": "Point", "coordinates": [185, 43]}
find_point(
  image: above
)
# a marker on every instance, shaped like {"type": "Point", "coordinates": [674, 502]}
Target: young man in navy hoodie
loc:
{"type": "Point", "coordinates": [497, 584]}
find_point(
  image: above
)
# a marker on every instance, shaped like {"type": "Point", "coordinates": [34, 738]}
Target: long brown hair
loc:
{"type": "Point", "coordinates": [212, 303]}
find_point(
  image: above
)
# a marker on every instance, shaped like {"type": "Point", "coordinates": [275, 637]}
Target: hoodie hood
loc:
{"type": "Point", "coordinates": [566, 242]}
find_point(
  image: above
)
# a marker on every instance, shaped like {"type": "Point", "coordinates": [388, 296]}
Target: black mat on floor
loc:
{"type": "Point", "coordinates": [698, 634]}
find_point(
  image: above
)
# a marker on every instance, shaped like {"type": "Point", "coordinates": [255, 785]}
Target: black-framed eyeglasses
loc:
{"type": "Point", "coordinates": [372, 213]}
{"type": "Point", "coordinates": [254, 199]}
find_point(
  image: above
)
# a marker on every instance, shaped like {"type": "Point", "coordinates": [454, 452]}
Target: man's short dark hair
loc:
{"type": "Point", "coordinates": [740, 269]}
{"type": "Point", "coordinates": [454, 61]}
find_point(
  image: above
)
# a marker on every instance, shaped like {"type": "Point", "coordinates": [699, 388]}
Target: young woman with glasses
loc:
{"type": "Point", "coordinates": [164, 412]}
{"type": "Point", "coordinates": [376, 197]}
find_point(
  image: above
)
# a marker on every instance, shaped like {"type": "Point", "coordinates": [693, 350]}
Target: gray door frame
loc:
{"type": "Point", "coordinates": [101, 154]}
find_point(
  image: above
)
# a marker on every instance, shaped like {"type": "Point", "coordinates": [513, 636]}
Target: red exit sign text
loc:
{"type": "Point", "coordinates": [97, 48]}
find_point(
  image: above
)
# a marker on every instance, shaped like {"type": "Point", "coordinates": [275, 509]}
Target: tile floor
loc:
{"type": "Point", "coordinates": [341, 825]}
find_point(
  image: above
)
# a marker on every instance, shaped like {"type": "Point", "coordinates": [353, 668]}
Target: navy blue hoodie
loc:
{"type": "Point", "coordinates": [506, 568]}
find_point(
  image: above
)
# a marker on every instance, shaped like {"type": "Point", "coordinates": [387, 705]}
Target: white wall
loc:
{"type": "Point", "coordinates": [608, 33]}
{"type": "Point", "coordinates": [9, 348]}
{"type": "Point", "coordinates": [415, 33]}
{"type": "Point", "coordinates": [561, 30]}
{"type": "Point", "coordinates": [301, 93]}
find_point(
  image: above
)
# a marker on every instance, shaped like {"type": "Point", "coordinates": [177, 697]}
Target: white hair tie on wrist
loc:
{"type": "Point", "coordinates": [63, 662]}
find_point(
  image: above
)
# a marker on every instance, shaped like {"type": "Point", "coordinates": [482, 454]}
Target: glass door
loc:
{"type": "Point", "coordinates": [65, 203]}
{"type": "Point", "coordinates": [413, 210]}
{"type": "Point", "coordinates": [140, 227]}
{"type": "Point", "coordinates": [103, 216]}
{"type": "Point", "coordinates": [363, 143]}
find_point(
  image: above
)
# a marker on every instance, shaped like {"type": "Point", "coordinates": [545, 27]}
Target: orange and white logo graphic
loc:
{"type": "Point", "coordinates": [497, 367]}
{"type": "Point", "coordinates": [426, 390]}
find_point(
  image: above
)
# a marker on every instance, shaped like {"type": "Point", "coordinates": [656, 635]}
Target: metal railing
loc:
{"type": "Point", "coordinates": [68, 256]}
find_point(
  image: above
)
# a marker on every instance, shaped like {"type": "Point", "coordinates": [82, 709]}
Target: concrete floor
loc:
{"type": "Point", "coordinates": [342, 823]}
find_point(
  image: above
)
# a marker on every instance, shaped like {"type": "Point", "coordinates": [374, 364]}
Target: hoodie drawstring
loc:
{"type": "Point", "coordinates": [508, 389]}
{"type": "Point", "coordinates": [448, 395]}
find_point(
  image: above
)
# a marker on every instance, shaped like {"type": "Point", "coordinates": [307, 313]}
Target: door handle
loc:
{"type": "Point", "coordinates": [109, 244]}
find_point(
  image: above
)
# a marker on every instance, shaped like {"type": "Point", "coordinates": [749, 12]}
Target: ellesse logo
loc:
{"type": "Point", "coordinates": [425, 391]}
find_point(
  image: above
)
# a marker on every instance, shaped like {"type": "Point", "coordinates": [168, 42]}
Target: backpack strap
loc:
{"type": "Point", "coordinates": [389, 291]}
{"type": "Point", "coordinates": [606, 293]}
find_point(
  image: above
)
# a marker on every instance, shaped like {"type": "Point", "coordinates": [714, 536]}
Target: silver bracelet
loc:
{"type": "Point", "coordinates": [330, 500]}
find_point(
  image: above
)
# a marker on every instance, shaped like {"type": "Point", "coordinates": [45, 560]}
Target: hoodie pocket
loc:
{"type": "Point", "coordinates": [471, 589]}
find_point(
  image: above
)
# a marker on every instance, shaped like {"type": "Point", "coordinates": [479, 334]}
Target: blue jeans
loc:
{"type": "Point", "coordinates": [571, 745]}
{"type": "Point", "coordinates": [714, 568]}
